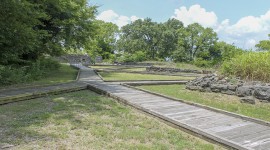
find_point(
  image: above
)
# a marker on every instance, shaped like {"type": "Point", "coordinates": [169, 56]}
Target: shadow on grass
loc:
{"type": "Point", "coordinates": [36, 119]}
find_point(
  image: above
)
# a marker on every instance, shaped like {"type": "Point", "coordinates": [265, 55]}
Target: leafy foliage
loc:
{"type": "Point", "coordinates": [103, 42]}
{"type": "Point", "coordinates": [14, 74]}
{"type": "Point", "coordinates": [249, 65]}
{"type": "Point", "coordinates": [264, 45]}
{"type": "Point", "coordinates": [30, 29]}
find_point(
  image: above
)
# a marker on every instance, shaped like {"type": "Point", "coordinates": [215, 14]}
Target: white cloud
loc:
{"type": "Point", "coordinates": [111, 16]}
{"type": "Point", "coordinates": [195, 14]}
{"type": "Point", "coordinates": [245, 33]}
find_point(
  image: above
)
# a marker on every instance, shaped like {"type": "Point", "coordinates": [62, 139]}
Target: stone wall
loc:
{"type": "Point", "coordinates": [248, 91]}
{"type": "Point", "coordinates": [175, 70]}
{"type": "Point", "coordinates": [77, 59]}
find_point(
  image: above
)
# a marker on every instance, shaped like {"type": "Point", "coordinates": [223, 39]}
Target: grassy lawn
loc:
{"type": "Point", "coordinates": [112, 76]}
{"type": "Point", "coordinates": [217, 100]}
{"type": "Point", "coordinates": [135, 69]}
{"type": "Point", "coordinates": [177, 65]}
{"type": "Point", "coordinates": [105, 67]}
{"type": "Point", "coordinates": [85, 120]}
{"type": "Point", "coordinates": [63, 75]}
{"type": "Point", "coordinates": [122, 68]}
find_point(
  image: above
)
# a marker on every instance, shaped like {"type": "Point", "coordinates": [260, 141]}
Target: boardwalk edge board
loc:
{"type": "Point", "coordinates": [27, 96]}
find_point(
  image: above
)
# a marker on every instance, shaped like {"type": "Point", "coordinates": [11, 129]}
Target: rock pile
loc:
{"type": "Point", "coordinates": [77, 58]}
{"type": "Point", "coordinates": [174, 70]}
{"type": "Point", "coordinates": [249, 91]}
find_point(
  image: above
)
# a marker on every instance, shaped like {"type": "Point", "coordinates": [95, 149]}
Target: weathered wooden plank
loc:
{"type": "Point", "coordinates": [161, 105]}
{"type": "Point", "coordinates": [259, 142]}
{"type": "Point", "coordinates": [251, 138]}
{"type": "Point", "coordinates": [193, 115]}
{"type": "Point", "coordinates": [217, 122]}
{"type": "Point", "coordinates": [242, 131]}
{"type": "Point", "coordinates": [183, 112]}
{"type": "Point", "coordinates": [165, 111]}
{"type": "Point", "coordinates": [230, 126]}
{"type": "Point", "coordinates": [262, 146]}
{"type": "Point", "coordinates": [203, 121]}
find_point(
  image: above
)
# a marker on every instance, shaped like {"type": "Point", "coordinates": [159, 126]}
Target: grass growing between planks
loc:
{"type": "Point", "coordinates": [216, 100]}
{"type": "Point", "coordinates": [113, 76]}
{"type": "Point", "coordinates": [63, 75]}
{"type": "Point", "coordinates": [85, 120]}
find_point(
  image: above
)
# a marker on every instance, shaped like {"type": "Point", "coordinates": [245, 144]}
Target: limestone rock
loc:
{"type": "Point", "coordinates": [243, 91]}
{"type": "Point", "coordinates": [248, 99]}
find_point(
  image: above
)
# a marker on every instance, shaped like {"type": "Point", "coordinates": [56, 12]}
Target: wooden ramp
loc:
{"type": "Point", "coordinates": [231, 131]}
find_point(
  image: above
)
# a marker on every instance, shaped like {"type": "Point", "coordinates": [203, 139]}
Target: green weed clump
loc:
{"type": "Point", "coordinates": [249, 66]}
{"type": "Point", "coordinates": [14, 74]}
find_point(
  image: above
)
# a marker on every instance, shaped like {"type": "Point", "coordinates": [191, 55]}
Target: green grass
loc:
{"type": "Point", "coordinates": [63, 75]}
{"type": "Point", "coordinates": [216, 100]}
{"type": "Point", "coordinates": [177, 65]}
{"type": "Point", "coordinates": [105, 67]}
{"type": "Point", "coordinates": [249, 66]}
{"type": "Point", "coordinates": [122, 68]}
{"type": "Point", "coordinates": [134, 69]}
{"type": "Point", "coordinates": [85, 120]}
{"type": "Point", "coordinates": [112, 76]}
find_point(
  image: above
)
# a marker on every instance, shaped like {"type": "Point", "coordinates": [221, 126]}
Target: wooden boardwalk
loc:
{"type": "Point", "coordinates": [232, 131]}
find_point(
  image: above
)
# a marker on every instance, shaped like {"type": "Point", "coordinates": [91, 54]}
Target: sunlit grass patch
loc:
{"type": "Point", "coordinates": [85, 120]}
{"type": "Point", "coordinates": [63, 75]}
{"type": "Point", "coordinates": [113, 76]}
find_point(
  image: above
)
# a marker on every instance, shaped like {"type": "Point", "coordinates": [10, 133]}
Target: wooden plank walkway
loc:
{"type": "Point", "coordinates": [231, 131]}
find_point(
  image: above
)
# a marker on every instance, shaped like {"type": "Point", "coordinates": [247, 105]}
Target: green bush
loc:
{"type": "Point", "coordinates": [200, 62]}
{"type": "Point", "coordinates": [250, 66]}
{"type": "Point", "coordinates": [20, 74]}
{"type": "Point", "coordinates": [138, 56]}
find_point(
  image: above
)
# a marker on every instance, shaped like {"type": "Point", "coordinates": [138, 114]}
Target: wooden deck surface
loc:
{"type": "Point", "coordinates": [233, 131]}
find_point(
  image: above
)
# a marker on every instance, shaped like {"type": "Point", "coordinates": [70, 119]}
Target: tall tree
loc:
{"type": "Point", "coordinates": [17, 34]}
{"type": "Point", "coordinates": [104, 42]}
{"type": "Point", "coordinates": [196, 40]}
{"type": "Point", "coordinates": [140, 35]}
{"type": "Point", "coordinates": [68, 23]}
{"type": "Point", "coordinates": [264, 45]}
{"type": "Point", "coordinates": [32, 28]}
{"type": "Point", "coordinates": [169, 37]}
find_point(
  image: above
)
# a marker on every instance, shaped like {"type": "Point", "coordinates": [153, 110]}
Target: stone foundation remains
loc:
{"type": "Point", "coordinates": [77, 59]}
{"type": "Point", "coordinates": [248, 91]}
{"type": "Point", "coordinates": [175, 70]}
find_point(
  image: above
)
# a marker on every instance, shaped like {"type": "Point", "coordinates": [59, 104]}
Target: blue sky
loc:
{"type": "Point", "coordinates": [242, 22]}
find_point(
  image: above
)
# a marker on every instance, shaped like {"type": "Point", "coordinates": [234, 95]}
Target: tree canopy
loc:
{"type": "Point", "coordinates": [30, 29]}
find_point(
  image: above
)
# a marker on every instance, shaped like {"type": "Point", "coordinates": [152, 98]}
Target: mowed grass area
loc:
{"type": "Point", "coordinates": [63, 75]}
{"type": "Point", "coordinates": [216, 100]}
{"type": "Point", "coordinates": [85, 120]}
{"type": "Point", "coordinates": [119, 67]}
{"type": "Point", "coordinates": [105, 67]}
{"type": "Point", "coordinates": [114, 76]}
{"type": "Point", "coordinates": [177, 65]}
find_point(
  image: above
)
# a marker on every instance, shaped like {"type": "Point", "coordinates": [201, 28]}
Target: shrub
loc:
{"type": "Point", "coordinates": [199, 62]}
{"type": "Point", "coordinates": [20, 74]}
{"type": "Point", "coordinates": [138, 56]}
{"type": "Point", "coordinates": [250, 66]}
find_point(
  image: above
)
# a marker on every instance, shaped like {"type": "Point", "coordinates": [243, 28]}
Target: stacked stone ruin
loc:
{"type": "Point", "coordinates": [248, 91]}
{"type": "Point", "coordinates": [77, 59]}
{"type": "Point", "coordinates": [175, 70]}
